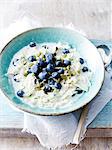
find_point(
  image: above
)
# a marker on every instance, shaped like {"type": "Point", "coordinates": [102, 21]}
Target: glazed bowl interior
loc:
{"type": "Point", "coordinates": [41, 35]}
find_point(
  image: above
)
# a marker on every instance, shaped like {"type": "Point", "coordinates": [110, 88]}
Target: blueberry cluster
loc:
{"type": "Point", "coordinates": [48, 70]}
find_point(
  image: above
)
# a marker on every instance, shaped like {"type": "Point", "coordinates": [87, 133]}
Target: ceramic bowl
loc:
{"type": "Point", "coordinates": [50, 34]}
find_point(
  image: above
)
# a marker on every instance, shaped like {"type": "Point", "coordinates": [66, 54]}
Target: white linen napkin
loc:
{"type": "Point", "coordinates": [56, 131]}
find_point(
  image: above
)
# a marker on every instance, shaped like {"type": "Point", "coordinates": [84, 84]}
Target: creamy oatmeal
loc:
{"type": "Point", "coordinates": [48, 74]}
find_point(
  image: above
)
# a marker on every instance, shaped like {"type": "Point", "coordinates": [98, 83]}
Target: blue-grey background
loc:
{"type": "Point", "coordinates": [92, 16]}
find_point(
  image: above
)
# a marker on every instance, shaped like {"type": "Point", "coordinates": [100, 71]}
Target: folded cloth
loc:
{"type": "Point", "coordinates": [56, 131]}
{"type": "Point", "coordinates": [51, 131]}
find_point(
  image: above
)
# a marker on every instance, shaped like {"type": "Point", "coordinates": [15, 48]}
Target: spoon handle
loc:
{"type": "Point", "coordinates": [80, 127]}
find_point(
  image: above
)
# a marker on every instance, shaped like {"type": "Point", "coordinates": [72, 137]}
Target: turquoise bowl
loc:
{"type": "Point", "coordinates": [50, 34]}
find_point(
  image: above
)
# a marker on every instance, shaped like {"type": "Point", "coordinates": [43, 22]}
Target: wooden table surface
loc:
{"type": "Point", "coordinates": [91, 16]}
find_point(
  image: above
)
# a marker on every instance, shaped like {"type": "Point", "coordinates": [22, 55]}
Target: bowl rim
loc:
{"type": "Point", "coordinates": [49, 114]}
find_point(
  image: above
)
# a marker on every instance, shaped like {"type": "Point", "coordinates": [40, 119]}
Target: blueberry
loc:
{"type": "Point", "coordinates": [32, 44]}
{"type": "Point", "coordinates": [47, 89]}
{"type": "Point", "coordinates": [49, 58]}
{"type": "Point", "coordinates": [73, 94]}
{"type": "Point", "coordinates": [58, 63]}
{"type": "Point", "coordinates": [81, 60]}
{"type": "Point", "coordinates": [67, 63]}
{"type": "Point", "coordinates": [43, 75]}
{"type": "Point", "coordinates": [15, 62]}
{"type": "Point", "coordinates": [54, 54]}
{"type": "Point", "coordinates": [55, 75]}
{"type": "Point", "coordinates": [35, 81]}
{"type": "Point", "coordinates": [41, 63]}
{"type": "Point", "coordinates": [65, 51]}
{"type": "Point", "coordinates": [45, 46]}
{"type": "Point", "coordinates": [79, 91]}
{"type": "Point", "coordinates": [15, 79]}
{"type": "Point", "coordinates": [34, 69]}
{"type": "Point", "coordinates": [32, 58]}
{"type": "Point", "coordinates": [61, 71]}
{"type": "Point", "coordinates": [84, 69]}
{"type": "Point", "coordinates": [56, 48]}
{"type": "Point", "coordinates": [20, 93]}
{"type": "Point", "coordinates": [50, 67]}
{"type": "Point", "coordinates": [58, 85]}
{"type": "Point", "coordinates": [51, 81]}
